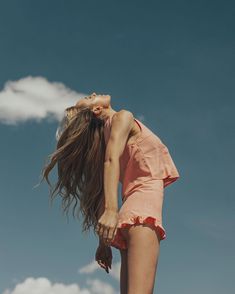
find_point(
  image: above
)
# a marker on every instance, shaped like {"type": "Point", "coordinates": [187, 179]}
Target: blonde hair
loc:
{"type": "Point", "coordinates": [79, 156]}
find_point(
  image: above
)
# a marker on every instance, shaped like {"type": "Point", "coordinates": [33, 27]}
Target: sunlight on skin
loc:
{"type": "Point", "coordinates": [93, 100]}
{"type": "Point", "coordinates": [99, 104]}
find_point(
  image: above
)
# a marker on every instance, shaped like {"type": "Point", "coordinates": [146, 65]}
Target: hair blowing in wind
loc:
{"type": "Point", "coordinates": [79, 156]}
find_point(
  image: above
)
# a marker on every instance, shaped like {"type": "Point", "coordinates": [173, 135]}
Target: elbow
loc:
{"type": "Point", "coordinates": [111, 160]}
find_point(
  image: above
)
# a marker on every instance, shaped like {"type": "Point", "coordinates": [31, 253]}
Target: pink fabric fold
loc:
{"type": "Point", "coordinates": [120, 243]}
{"type": "Point", "coordinates": [146, 168]}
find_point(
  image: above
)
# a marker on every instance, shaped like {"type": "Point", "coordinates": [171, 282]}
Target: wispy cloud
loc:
{"type": "Point", "coordinates": [89, 268]}
{"type": "Point", "coordinates": [35, 98]}
{"type": "Point", "coordinates": [44, 286]}
{"type": "Point", "coordinates": [93, 266]}
{"type": "Point", "coordinates": [115, 271]}
{"type": "Point", "coordinates": [98, 287]}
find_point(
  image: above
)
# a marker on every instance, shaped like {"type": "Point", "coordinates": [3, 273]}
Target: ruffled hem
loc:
{"type": "Point", "coordinates": [120, 243]}
{"type": "Point", "coordinates": [169, 180]}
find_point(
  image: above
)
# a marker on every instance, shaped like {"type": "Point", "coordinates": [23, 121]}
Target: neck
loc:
{"type": "Point", "coordinates": [108, 113]}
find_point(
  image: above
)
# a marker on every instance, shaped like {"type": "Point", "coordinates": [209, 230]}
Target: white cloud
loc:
{"type": "Point", "coordinates": [93, 266]}
{"type": "Point", "coordinates": [115, 271]}
{"type": "Point", "coordinates": [99, 287]}
{"type": "Point", "coordinates": [44, 286]}
{"type": "Point", "coordinates": [90, 268]}
{"type": "Point", "coordinates": [35, 98]}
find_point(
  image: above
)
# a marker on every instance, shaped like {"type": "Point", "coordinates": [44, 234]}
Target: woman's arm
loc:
{"type": "Point", "coordinates": [122, 123]}
{"type": "Point", "coordinates": [121, 126]}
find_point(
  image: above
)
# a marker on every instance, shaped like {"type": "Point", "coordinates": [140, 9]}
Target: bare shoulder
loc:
{"type": "Point", "coordinates": [122, 122]}
{"type": "Point", "coordinates": [123, 115]}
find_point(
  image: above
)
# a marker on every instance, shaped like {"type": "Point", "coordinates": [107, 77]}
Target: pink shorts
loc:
{"type": "Point", "coordinates": [142, 206]}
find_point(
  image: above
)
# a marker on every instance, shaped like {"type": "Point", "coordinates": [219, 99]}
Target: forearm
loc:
{"type": "Point", "coordinates": [111, 179]}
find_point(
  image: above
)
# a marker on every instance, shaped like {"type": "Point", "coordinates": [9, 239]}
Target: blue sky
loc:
{"type": "Point", "coordinates": [172, 64]}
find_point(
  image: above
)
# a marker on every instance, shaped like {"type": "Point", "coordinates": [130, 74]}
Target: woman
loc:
{"type": "Point", "coordinates": [98, 147]}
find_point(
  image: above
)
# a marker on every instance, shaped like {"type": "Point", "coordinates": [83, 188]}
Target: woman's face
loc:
{"type": "Point", "coordinates": [94, 100]}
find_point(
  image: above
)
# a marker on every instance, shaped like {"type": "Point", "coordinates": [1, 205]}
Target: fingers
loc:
{"type": "Point", "coordinates": [114, 233]}
{"type": "Point", "coordinates": [106, 233]}
{"type": "Point", "coordinates": [110, 235]}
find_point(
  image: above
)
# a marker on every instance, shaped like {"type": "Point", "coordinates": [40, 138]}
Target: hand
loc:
{"type": "Point", "coordinates": [104, 257]}
{"type": "Point", "coordinates": [107, 226]}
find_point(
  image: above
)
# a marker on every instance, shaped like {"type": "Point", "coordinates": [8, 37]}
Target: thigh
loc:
{"type": "Point", "coordinates": [143, 250]}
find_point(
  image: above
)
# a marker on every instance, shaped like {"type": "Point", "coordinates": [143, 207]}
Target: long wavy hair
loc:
{"type": "Point", "coordinates": [79, 156]}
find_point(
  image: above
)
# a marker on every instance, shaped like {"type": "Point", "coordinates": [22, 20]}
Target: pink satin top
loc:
{"type": "Point", "coordinates": [146, 159]}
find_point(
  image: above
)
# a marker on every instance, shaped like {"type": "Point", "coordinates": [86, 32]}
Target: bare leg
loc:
{"type": "Point", "coordinates": [123, 273]}
{"type": "Point", "coordinates": [143, 251]}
